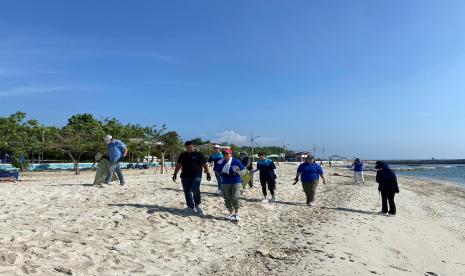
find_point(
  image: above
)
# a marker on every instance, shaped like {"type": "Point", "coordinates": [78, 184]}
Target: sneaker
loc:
{"type": "Point", "coordinates": [382, 213]}
{"type": "Point", "coordinates": [273, 199]}
{"type": "Point", "coordinates": [219, 192]}
{"type": "Point", "coordinates": [393, 215]}
{"type": "Point", "coordinates": [236, 217]}
{"type": "Point", "coordinates": [311, 204]}
{"type": "Point", "coordinates": [229, 217]}
{"type": "Point", "coordinates": [199, 210]}
{"type": "Point", "coordinates": [265, 200]}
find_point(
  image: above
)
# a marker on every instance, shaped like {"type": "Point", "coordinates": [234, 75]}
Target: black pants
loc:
{"type": "Point", "coordinates": [271, 185]}
{"type": "Point", "coordinates": [385, 197]}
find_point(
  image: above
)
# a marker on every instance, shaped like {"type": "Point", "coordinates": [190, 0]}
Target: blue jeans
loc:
{"type": "Point", "coordinates": [191, 187]}
{"type": "Point", "coordinates": [219, 180]}
{"type": "Point", "coordinates": [114, 167]}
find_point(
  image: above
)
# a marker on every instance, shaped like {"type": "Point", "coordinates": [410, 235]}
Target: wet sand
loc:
{"type": "Point", "coordinates": [54, 223]}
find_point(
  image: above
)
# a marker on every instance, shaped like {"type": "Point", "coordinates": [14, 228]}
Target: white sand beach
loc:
{"type": "Point", "coordinates": [54, 223]}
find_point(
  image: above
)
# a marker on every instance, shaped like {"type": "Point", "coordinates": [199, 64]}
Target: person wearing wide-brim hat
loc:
{"type": "Point", "coordinates": [310, 174]}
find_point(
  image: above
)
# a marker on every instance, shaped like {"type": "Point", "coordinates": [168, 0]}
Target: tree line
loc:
{"type": "Point", "coordinates": [28, 141]}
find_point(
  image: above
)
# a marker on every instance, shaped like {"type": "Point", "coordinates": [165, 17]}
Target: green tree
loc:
{"type": "Point", "coordinates": [83, 134]}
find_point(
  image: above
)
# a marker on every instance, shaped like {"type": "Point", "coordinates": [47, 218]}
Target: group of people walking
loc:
{"type": "Point", "coordinates": [234, 175]}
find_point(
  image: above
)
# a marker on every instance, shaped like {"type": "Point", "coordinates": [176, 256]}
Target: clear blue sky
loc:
{"type": "Point", "coordinates": [374, 79]}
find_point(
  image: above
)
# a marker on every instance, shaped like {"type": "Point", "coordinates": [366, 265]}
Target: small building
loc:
{"type": "Point", "coordinates": [292, 156]}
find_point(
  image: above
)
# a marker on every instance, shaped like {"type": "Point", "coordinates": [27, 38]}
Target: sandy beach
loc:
{"type": "Point", "coordinates": [54, 223]}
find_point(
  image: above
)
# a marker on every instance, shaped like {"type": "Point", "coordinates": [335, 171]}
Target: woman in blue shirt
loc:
{"type": "Point", "coordinates": [268, 176]}
{"type": "Point", "coordinates": [230, 169]}
{"type": "Point", "coordinates": [310, 173]}
{"type": "Point", "coordinates": [358, 171]}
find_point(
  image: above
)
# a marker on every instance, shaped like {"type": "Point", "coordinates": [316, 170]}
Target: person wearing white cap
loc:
{"type": "Point", "coordinates": [214, 158]}
{"type": "Point", "coordinates": [117, 150]}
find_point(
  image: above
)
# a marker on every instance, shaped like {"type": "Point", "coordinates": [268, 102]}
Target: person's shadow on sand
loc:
{"type": "Point", "coordinates": [352, 210]}
{"type": "Point", "coordinates": [153, 208]}
{"type": "Point", "coordinates": [215, 195]}
{"type": "Point", "coordinates": [76, 184]}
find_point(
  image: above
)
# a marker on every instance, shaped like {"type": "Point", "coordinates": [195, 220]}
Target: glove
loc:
{"type": "Point", "coordinates": [209, 177]}
{"type": "Point", "coordinates": [174, 177]}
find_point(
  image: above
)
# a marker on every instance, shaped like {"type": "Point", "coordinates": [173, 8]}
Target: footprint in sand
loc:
{"type": "Point", "coordinates": [7, 258]}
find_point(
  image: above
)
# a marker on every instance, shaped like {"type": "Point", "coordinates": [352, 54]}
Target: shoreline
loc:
{"type": "Point", "coordinates": [56, 221]}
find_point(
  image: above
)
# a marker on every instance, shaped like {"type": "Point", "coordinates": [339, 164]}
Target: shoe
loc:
{"type": "Point", "coordinates": [122, 184]}
{"type": "Point", "coordinates": [273, 199]}
{"type": "Point", "coordinates": [229, 217]}
{"type": "Point", "coordinates": [311, 204]}
{"type": "Point", "coordinates": [392, 215]}
{"type": "Point", "coordinates": [219, 192]}
{"type": "Point", "coordinates": [199, 210]}
{"type": "Point", "coordinates": [265, 200]}
{"type": "Point", "coordinates": [236, 217]}
{"type": "Point", "coordinates": [382, 213]}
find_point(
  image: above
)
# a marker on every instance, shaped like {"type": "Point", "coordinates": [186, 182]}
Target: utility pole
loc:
{"type": "Point", "coordinates": [323, 153]}
{"type": "Point", "coordinates": [252, 141]}
{"type": "Point", "coordinates": [284, 151]}
{"type": "Point", "coordinates": [314, 150]}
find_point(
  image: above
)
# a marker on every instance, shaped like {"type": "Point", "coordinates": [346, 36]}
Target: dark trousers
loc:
{"type": "Point", "coordinates": [310, 190]}
{"type": "Point", "coordinates": [271, 186]}
{"type": "Point", "coordinates": [385, 198]}
{"type": "Point", "coordinates": [191, 187]}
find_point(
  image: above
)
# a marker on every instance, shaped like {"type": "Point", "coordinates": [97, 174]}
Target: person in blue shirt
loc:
{"type": "Point", "coordinates": [117, 150]}
{"type": "Point", "coordinates": [310, 173]}
{"type": "Point", "coordinates": [213, 159]}
{"type": "Point", "coordinates": [268, 176]}
{"type": "Point", "coordinates": [230, 170]}
{"type": "Point", "coordinates": [358, 171]}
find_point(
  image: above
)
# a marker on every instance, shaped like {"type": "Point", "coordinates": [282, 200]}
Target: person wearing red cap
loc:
{"type": "Point", "coordinates": [230, 169]}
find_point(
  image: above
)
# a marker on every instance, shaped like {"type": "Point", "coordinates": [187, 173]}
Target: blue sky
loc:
{"type": "Point", "coordinates": [374, 79]}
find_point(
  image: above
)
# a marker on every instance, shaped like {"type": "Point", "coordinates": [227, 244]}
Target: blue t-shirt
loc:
{"type": "Point", "coordinates": [233, 177]}
{"type": "Point", "coordinates": [310, 172]}
{"type": "Point", "coordinates": [358, 167]}
{"type": "Point", "coordinates": [266, 168]}
{"type": "Point", "coordinates": [116, 150]}
{"type": "Point", "coordinates": [215, 157]}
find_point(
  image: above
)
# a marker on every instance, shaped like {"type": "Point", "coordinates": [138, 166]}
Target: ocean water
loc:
{"type": "Point", "coordinates": [449, 172]}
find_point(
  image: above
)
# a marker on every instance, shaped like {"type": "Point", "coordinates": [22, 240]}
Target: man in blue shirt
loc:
{"type": "Point", "coordinates": [358, 171]}
{"type": "Point", "coordinates": [214, 158]}
{"type": "Point", "coordinates": [117, 150]}
{"type": "Point", "coordinates": [310, 173]}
